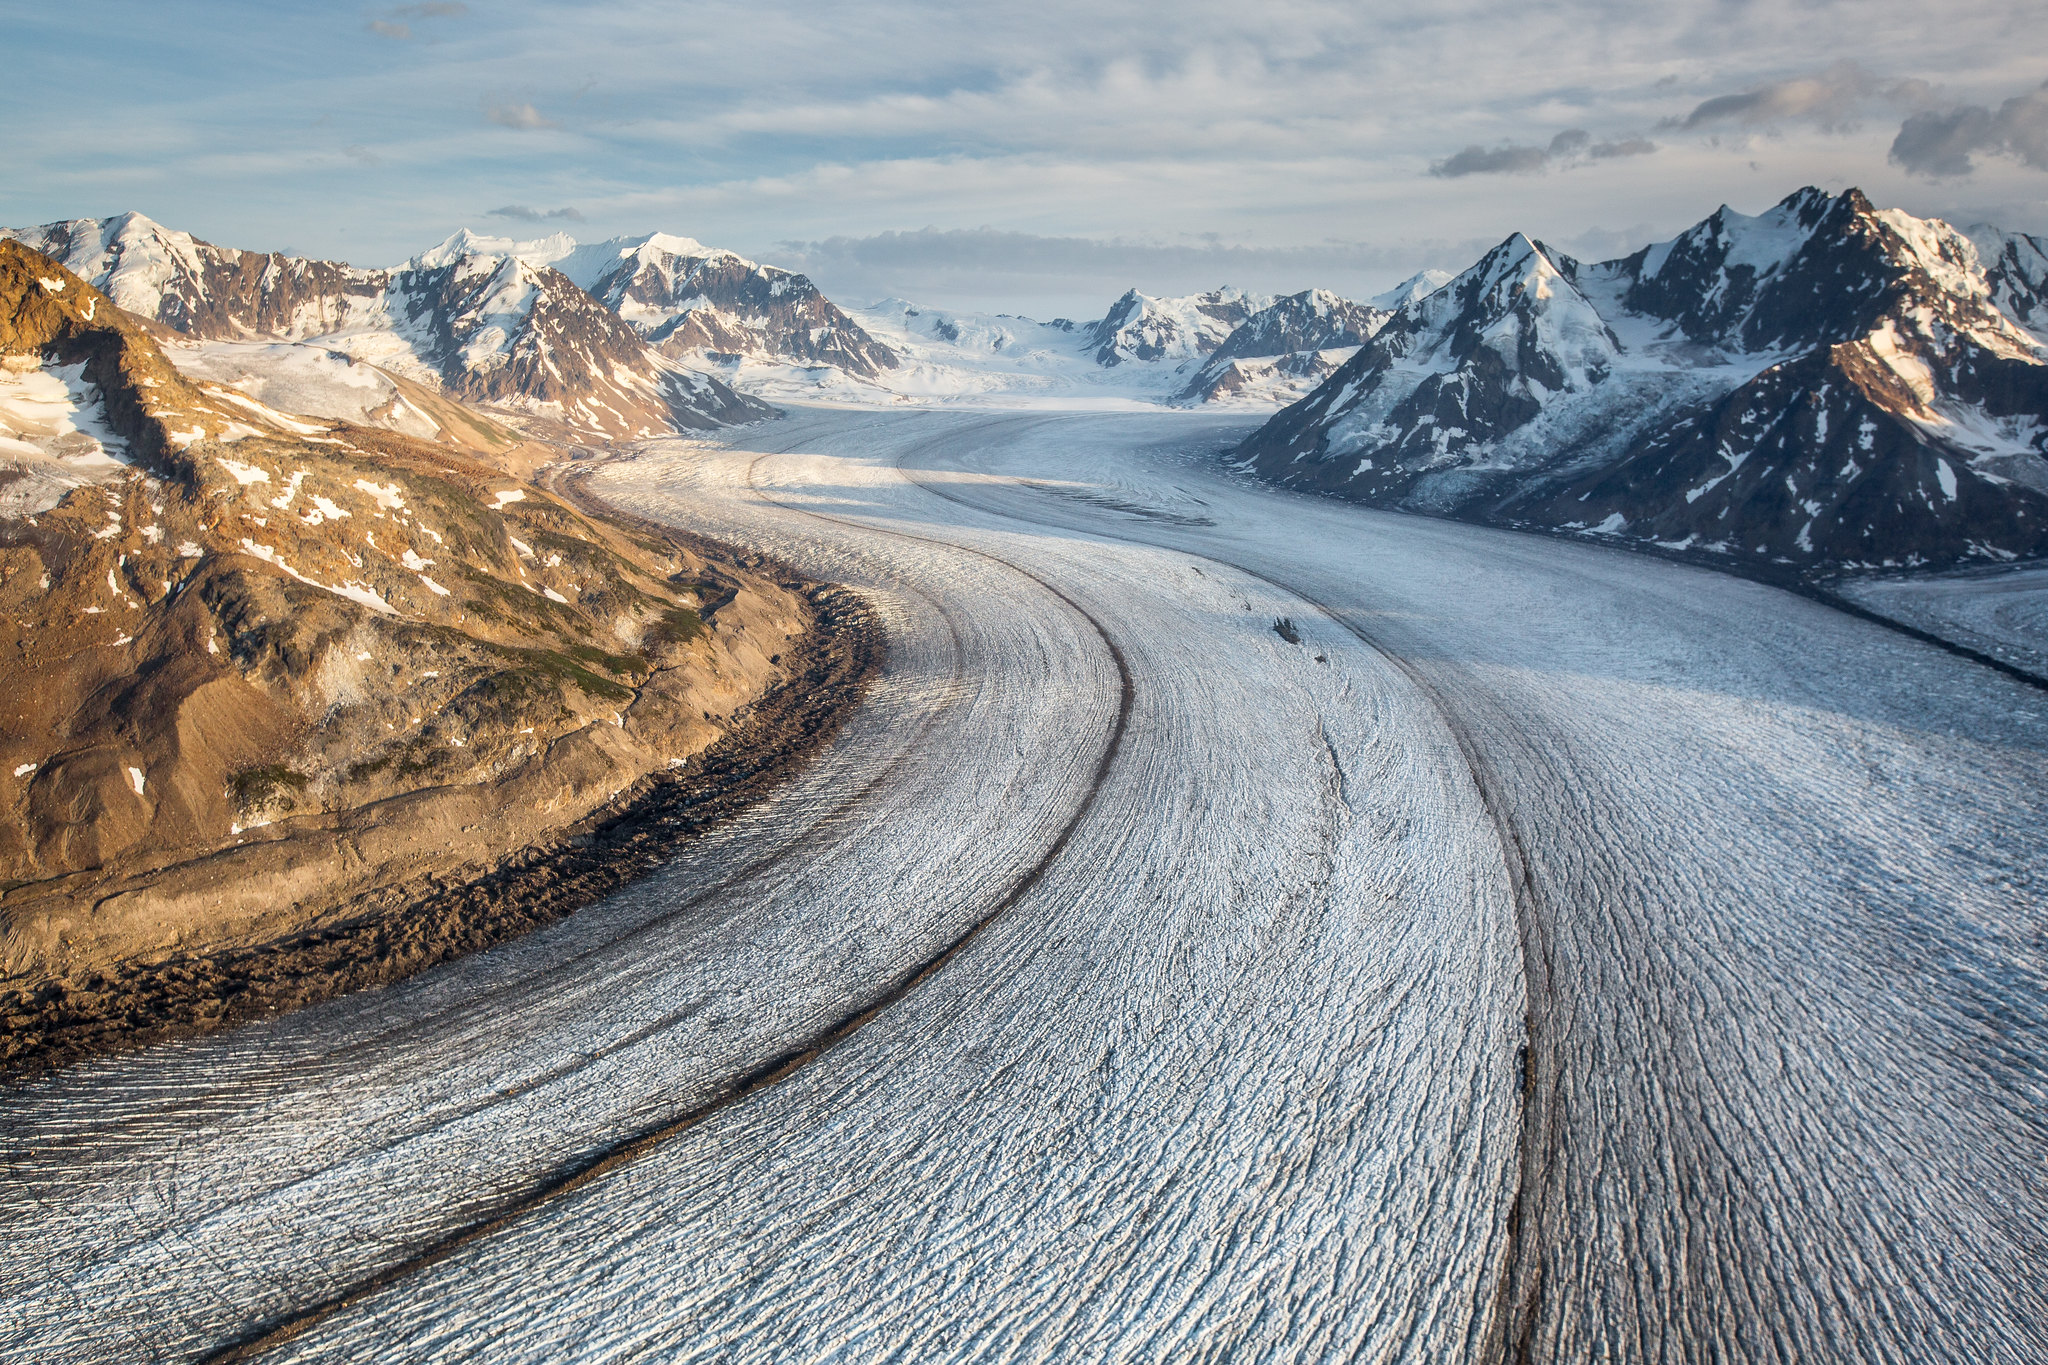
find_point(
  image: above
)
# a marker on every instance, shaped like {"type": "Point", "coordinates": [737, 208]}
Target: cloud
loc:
{"type": "Point", "coordinates": [1628, 146]}
{"type": "Point", "coordinates": [1281, 124]}
{"type": "Point", "coordinates": [1568, 148]}
{"type": "Point", "coordinates": [1831, 95]}
{"type": "Point", "coordinates": [1945, 142]}
{"type": "Point", "coordinates": [362, 156]}
{"type": "Point", "coordinates": [1830, 98]}
{"type": "Point", "coordinates": [1506, 159]}
{"type": "Point", "coordinates": [521, 116]}
{"type": "Point", "coordinates": [393, 24]}
{"type": "Point", "coordinates": [526, 214]}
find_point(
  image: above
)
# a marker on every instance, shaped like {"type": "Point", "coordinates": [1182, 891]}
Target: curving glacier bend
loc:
{"type": "Point", "coordinates": [1554, 954]}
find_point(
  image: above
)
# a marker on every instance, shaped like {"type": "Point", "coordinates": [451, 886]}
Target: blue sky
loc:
{"type": "Point", "coordinates": [1037, 158]}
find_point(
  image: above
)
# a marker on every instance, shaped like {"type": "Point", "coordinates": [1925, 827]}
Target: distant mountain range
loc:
{"type": "Point", "coordinates": [1824, 385]}
{"type": "Point", "coordinates": [479, 318]}
{"type": "Point", "coordinates": [637, 335]}
{"type": "Point", "coordinates": [1303, 336]}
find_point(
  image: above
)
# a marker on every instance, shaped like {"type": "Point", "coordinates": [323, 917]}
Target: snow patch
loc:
{"type": "Point", "coordinates": [245, 474]}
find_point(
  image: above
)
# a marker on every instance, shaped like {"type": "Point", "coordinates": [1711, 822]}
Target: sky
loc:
{"type": "Point", "coordinates": [1032, 158]}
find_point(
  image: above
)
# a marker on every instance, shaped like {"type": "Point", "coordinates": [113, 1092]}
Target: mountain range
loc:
{"type": "Point", "coordinates": [1825, 385]}
{"type": "Point", "coordinates": [488, 320]}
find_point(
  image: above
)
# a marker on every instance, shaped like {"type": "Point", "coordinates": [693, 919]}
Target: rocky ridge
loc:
{"type": "Point", "coordinates": [1825, 386]}
{"type": "Point", "coordinates": [259, 664]}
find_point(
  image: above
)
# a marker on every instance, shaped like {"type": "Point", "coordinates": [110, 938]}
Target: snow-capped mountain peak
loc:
{"type": "Point", "coordinates": [1142, 327]}
{"type": "Point", "coordinates": [1820, 383]}
{"type": "Point", "coordinates": [191, 286]}
{"type": "Point", "coordinates": [538, 251]}
{"type": "Point", "coordinates": [1417, 286]}
{"type": "Point", "coordinates": [1280, 351]}
{"type": "Point", "coordinates": [485, 319]}
{"type": "Point", "coordinates": [2015, 266]}
{"type": "Point", "coordinates": [1521, 306]}
{"type": "Point", "coordinates": [694, 301]}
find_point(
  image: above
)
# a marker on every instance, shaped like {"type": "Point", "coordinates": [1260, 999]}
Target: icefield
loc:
{"type": "Point", "coordinates": [1549, 954]}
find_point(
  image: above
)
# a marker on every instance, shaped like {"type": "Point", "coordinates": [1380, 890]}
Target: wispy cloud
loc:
{"type": "Point", "coordinates": [1506, 159]}
{"type": "Point", "coordinates": [521, 116]}
{"type": "Point", "coordinates": [527, 214]}
{"type": "Point", "coordinates": [1830, 98]}
{"type": "Point", "coordinates": [1571, 147]}
{"type": "Point", "coordinates": [1946, 142]}
{"type": "Point", "coordinates": [395, 23]}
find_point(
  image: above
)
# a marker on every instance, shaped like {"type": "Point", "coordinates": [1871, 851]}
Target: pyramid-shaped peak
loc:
{"type": "Point", "coordinates": [136, 221]}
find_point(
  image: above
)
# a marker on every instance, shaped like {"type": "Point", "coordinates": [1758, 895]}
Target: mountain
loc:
{"type": "Point", "coordinates": [257, 665]}
{"type": "Point", "coordinates": [201, 290]}
{"type": "Point", "coordinates": [686, 298]}
{"type": "Point", "coordinates": [484, 326]}
{"type": "Point", "coordinates": [1143, 328]}
{"type": "Point", "coordinates": [502, 329]}
{"type": "Point", "coordinates": [1300, 337]}
{"type": "Point", "coordinates": [2016, 269]}
{"type": "Point", "coordinates": [1417, 286]}
{"type": "Point", "coordinates": [1825, 386]}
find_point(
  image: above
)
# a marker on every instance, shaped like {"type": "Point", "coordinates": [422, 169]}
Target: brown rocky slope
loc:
{"type": "Point", "coordinates": [273, 665]}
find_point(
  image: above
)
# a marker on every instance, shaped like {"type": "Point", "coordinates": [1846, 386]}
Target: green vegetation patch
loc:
{"type": "Point", "coordinates": [256, 786]}
{"type": "Point", "coordinates": [625, 665]}
{"type": "Point", "coordinates": [675, 626]}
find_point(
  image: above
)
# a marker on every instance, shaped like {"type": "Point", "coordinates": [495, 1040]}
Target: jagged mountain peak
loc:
{"type": "Point", "coordinates": [1145, 327]}
{"type": "Point", "coordinates": [1823, 382]}
{"type": "Point", "coordinates": [487, 319]}
{"type": "Point", "coordinates": [695, 302]}
{"type": "Point", "coordinates": [1282, 349]}
{"type": "Point", "coordinates": [592, 263]}
{"type": "Point", "coordinates": [1813, 264]}
{"type": "Point", "coordinates": [202, 290]}
{"type": "Point", "coordinates": [1520, 303]}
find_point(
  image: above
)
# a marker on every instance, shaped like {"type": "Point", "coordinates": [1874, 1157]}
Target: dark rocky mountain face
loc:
{"type": "Point", "coordinates": [1140, 327]}
{"type": "Point", "coordinates": [491, 327]}
{"type": "Point", "coordinates": [1825, 386]}
{"type": "Point", "coordinates": [1288, 337]}
{"type": "Point", "coordinates": [1810, 463]}
{"type": "Point", "coordinates": [685, 298]}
